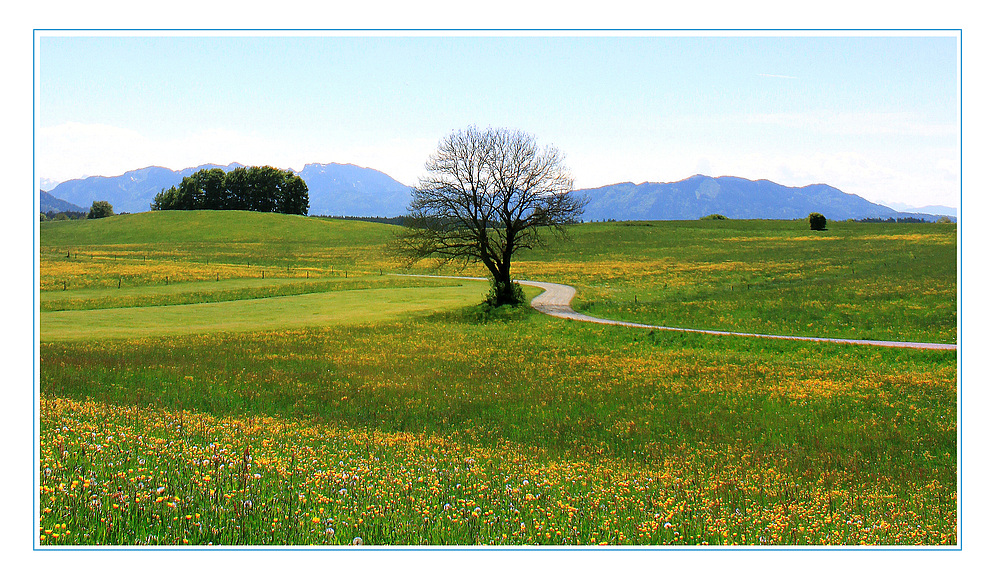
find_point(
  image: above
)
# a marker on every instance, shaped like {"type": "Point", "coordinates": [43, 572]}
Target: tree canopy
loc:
{"type": "Point", "coordinates": [263, 189]}
{"type": "Point", "coordinates": [488, 194]}
{"type": "Point", "coordinates": [817, 221]}
{"type": "Point", "coordinates": [100, 209]}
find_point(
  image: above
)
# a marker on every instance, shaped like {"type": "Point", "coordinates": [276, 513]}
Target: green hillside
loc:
{"type": "Point", "coordinates": [161, 248]}
{"type": "Point", "coordinates": [206, 226]}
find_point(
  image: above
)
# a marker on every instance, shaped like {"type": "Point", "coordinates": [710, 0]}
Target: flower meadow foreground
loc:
{"type": "Point", "coordinates": [239, 379]}
{"type": "Point", "coordinates": [120, 475]}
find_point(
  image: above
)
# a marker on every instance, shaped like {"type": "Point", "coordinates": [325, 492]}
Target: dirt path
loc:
{"type": "Point", "coordinates": [555, 301]}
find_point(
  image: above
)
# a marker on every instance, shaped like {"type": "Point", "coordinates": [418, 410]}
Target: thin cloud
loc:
{"type": "Point", "coordinates": [771, 76]}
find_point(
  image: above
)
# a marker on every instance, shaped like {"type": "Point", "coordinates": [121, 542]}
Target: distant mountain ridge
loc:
{"type": "Point", "coordinates": [340, 189]}
{"type": "Point", "coordinates": [343, 189]}
{"type": "Point", "coordinates": [48, 202]}
{"type": "Point", "coordinates": [130, 192]}
{"type": "Point", "coordinates": [334, 189]}
{"type": "Point", "coordinates": [733, 197]}
{"type": "Point", "coordinates": [928, 209]}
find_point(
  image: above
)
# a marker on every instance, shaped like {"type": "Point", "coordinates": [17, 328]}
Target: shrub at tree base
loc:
{"type": "Point", "coordinates": [714, 216]}
{"type": "Point", "coordinates": [501, 294]}
{"type": "Point", "coordinates": [263, 189]}
{"type": "Point", "coordinates": [817, 221]}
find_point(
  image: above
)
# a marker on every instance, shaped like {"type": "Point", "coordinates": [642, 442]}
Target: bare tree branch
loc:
{"type": "Point", "coordinates": [487, 195]}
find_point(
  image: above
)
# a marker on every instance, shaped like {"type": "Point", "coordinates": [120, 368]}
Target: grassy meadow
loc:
{"type": "Point", "coordinates": [855, 280]}
{"type": "Point", "coordinates": [261, 379]}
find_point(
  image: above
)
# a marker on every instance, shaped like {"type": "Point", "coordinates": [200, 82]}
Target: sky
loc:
{"type": "Point", "coordinates": [872, 115]}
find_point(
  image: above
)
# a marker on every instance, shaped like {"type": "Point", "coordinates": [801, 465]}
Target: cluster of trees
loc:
{"type": "Point", "coordinates": [52, 215]}
{"type": "Point", "coordinates": [264, 189]}
{"type": "Point", "coordinates": [99, 209]}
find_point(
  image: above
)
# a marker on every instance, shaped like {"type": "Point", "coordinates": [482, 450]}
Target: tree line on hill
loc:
{"type": "Point", "coordinates": [263, 189]}
{"type": "Point", "coordinates": [98, 210]}
{"type": "Point", "coordinates": [903, 220]}
{"type": "Point", "coordinates": [396, 221]}
{"type": "Point", "coordinates": [53, 215]}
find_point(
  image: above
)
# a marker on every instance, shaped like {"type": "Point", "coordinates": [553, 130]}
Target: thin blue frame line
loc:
{"type": "Point", "coordinates": [961, 222]}
{"type": "Point", "coordinates": [499, 30]}
{"type": "Point", "coordinates": [35, 234]}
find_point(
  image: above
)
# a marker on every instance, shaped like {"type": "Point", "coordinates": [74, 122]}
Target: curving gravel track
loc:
{"type": "Point", "coordinates": [555, 301]}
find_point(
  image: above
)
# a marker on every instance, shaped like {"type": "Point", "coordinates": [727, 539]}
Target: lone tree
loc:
{"type": "Point", "coordinates": [100, 209]}
{"type": "Point", "coordinates": [817, 221]}
{"type": "Point", "coordinates": [489, 194]}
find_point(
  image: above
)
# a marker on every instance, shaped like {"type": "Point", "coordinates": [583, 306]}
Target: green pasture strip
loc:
{"type": "Point", "coordinates": [730, 440]}
{"type": "Point", "coordinates": [218, 291]}
{"type": "Point", "coordinates": [314, 309]}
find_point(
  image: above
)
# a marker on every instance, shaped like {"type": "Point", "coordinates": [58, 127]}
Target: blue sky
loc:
{"type": "Point", "coordinates": [875, 116]}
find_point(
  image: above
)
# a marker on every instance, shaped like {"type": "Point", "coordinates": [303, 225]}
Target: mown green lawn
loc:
{"type": "Point", "coordinates": [295, 311]}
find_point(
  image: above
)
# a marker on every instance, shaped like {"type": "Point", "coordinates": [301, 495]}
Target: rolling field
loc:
{"type": "Point", "coordinates": [856, 280]}
{"type": "Point", "coordinates": [328, 403]}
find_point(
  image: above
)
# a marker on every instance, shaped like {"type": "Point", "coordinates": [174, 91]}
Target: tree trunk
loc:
{"type": "Point", "coordinates": [504, 288]}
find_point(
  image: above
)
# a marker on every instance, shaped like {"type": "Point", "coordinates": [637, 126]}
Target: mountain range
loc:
{"type": "Point", "coordinates": [733, 197]}
{"type": "Point", "coordinates": [349, 190]}
{"type": "Point", "coordinates": [931, 209]}
{"type": "Point", "coordinates": [131, 192]}
{"type": "Point", "coordinates": [334, 189]}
